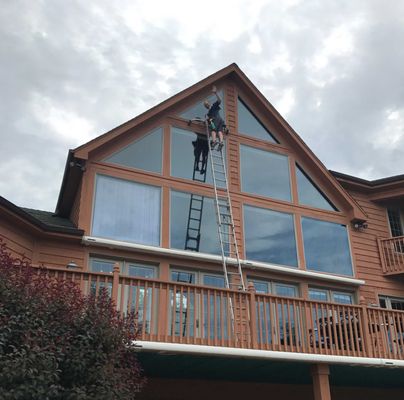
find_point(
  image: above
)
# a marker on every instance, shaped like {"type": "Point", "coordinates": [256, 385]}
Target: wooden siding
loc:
{"type": "Point", "coordinates": [366, 251]}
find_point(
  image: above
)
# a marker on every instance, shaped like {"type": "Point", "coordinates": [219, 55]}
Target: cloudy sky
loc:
{"type": "Point", "coordinates": [71, 70]}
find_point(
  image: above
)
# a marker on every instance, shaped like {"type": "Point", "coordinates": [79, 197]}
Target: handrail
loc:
{"type": "Point", "coordinates": [176, 312]}
{"type": "Point", "coordinates": [392, 255]}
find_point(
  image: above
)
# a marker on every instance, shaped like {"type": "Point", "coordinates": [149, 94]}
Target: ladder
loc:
{"type": "Point", "coordinates": [225, 221]}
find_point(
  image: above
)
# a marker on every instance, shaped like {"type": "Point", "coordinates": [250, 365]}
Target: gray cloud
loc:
{"type": "Point", "coordinates": [70, 71]}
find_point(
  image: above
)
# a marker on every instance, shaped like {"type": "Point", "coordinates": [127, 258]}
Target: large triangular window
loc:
{"type": "Point", "coordinates": [198, 110]}
{"type": "Point", "coordinates": [144, 153]}
{"type": "Point", "coordinates": [309, 194]}
{"type": "Point", "coordinates": [248, 124]}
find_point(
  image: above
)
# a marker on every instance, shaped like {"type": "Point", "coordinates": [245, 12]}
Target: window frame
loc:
{"type": "Point", "coordinates": [271, 285]}
{"type": "Point", "coordinates": [330, 292]}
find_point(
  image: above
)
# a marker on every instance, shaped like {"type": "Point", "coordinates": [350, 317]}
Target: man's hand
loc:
{"type": "Point", "coordinates": [214, 90]}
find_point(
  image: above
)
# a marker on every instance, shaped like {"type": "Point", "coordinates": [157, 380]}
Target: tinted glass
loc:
{"type": "Point", "coordinates": [249, 125]}
{"type": "Point", "coordinates": [269, 236]}
{"type": "Point", "coordinates": [326, 247]}
{"type": "Point", "coordinates": [285, 290]}
{"type": "Point", "coordinates": [260, 286]}
{"type": "Point", "coordinates": [140, 271]}
{"type": "Point", "coordinates": [308, 193]}
{"type": "Point", "coordinates": [183, 157]}
{"type": "Point", "coordinates": [213, 280]}
{"type": "Point", "coordinates": [102, 266]}
{"type": "Point", "coordinates": [125, 210]}
{"type": "Point", "coordinates": [264, 173]}
{"type": "Point", "coordinates": [343, 298]}
{"type": "Point", "coordinates": [317, 294]}
{"type": "Point", "coordinates": [199, 110]}
{"type": "Point", "coordinates": [183, 277]}
{"type": "Point", "coordinates": [145, 153]}
{"type": "Point", "coordinates": [179, 218]}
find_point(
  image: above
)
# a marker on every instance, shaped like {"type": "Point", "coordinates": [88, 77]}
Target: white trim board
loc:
{"type": "Point", "coordinates": [117, 244]}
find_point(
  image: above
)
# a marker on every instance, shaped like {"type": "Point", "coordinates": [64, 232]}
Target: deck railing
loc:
{"type": "Point", "coordinates": [191, 314]}
{"type": "Point", "coordinates": [392, 255]}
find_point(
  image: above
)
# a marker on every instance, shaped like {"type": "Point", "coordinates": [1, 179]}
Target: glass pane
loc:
{"type": "Point", "coordinates": [260, 286]}
{"type": "Point", "coordinates": [395, 222]}
{"type": "Point", "coordinates": [309, 194]}
{"type": "Point", "coordinates": [326, 247]}
{"type": "Point", "coordinates": [140, 271]}
{"type": "Point", "coordinates": [343, 298]}
{"type": "Point", "coordinates": [184, 277]}
{"type": "Point", "coordinates": [264, 173]}
{"type": "Point", "coordinates": [248, 124]}
{"type": "Point", "coordinates": [102, 266]}
{"type": "Point", "coordinates": [198, 110]}
{"type": "Point", "coordinates": [213, 280]}
{"type": "Point", "coordinates": [145, 153]}
{"type": "Point", "coordinates": [285, 290]}
{"type": "Point", "coordinates": [127, 211]}
{"type": "Point", "coordinates": [191, 229]}
{"type": "Point", "coordinates": [318, 295]}
{"type": "Point", "coordinates": [183, 153]}
{"type": "Point", "coordinates": [269, 236]}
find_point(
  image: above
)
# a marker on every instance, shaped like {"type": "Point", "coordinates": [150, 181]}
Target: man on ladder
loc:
{"type": "Point", "coordinates": [216, 123]}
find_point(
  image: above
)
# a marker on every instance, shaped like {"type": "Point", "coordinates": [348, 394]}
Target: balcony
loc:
{"type": "Point", "coordinates": [177, 313]}
{"type": "Point", "coordinates": [392, 255]}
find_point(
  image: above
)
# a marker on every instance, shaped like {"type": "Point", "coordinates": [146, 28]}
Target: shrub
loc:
{"type": "Point", "coordinates": [56, 343]}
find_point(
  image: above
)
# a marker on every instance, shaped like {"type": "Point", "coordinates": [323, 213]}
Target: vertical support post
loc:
{"type": "Point", "coordinates": [253, 315]}
{"type": "Point", "coordinates": [321, 384]}
{"type": "Point", "coordinates": [367, 339]}
{"type": "Point", "coordinates": [382, 256]}
{"type": "Point", "coordinates": [115, 284]}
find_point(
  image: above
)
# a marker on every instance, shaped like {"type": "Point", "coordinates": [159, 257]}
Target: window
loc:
{"type": "Point", "coordinates": [125, 210]}
{"type": "Point", "coordinates": [392, 303]}
{"type": "Point", "coordinates": [248, 124]}
{"type": "Point", "coordinates": [265, 173]}
{"type": "Point", "coordinates": [144, 153]}
{"type": "Point", "coordinates": [277, 288]}
{"type": "Point", "coordinates": [395, 221]}
{"type": "Point", "coordinates": [309, 194]}
{"type": "Point", "coordinates": [199, 110]}
{"type": "Point", "coordinates": [330, 295]}
{"type": "Point", "coordinates": [183, 158]}
{"type": "Point", "coordinates": [193, 223]}
{"type": "Point", "coordinates": [326, 247]}
{"type": "Point", "coordinates": [102, 266]}
{"type": "Point", "coordinates": [269, 236]}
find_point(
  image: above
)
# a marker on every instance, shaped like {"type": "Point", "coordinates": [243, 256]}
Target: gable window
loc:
{"type": "Point", "coordinates": [269, 236]}
{"type": "Point", "coordinates": [309, 194]}
{"type": "Point", "coordinates": [126, 210]}
{"type": "Point", "coordinates": [193, 223]}
{"type": "Point", "coordinates": [183, 157]}
{"type": "Point", "coordinates": [248, 124]}
{"type": "Point", "coordinates": [265, 173]}
{"type": "Point", "coordinates": [326, 246]}
{"type": "Point", "coordinates": [144, 153]}
{"type": "Point", "coordinates": [198, 110]}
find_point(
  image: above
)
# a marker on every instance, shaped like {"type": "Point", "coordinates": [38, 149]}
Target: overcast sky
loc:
{"type": "Point", "coordinates": [72, 70]}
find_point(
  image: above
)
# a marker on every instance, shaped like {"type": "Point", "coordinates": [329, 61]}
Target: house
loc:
{"type": "Point", "coordinates": [322, 253]}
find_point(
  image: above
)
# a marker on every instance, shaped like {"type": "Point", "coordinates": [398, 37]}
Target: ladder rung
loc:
{"type": "Point", "coordinates": [195, 209]}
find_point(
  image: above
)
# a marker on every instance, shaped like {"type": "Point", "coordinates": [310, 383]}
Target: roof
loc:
{"type": "Point", "coordinates": [72, 175]}
{"type": "Point", "coordinates": [372, 183]}
{"type": "Point", "coordinates": [44, 220]}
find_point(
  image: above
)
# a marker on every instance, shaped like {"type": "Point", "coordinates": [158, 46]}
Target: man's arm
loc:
{"type": "Point", "coordinates": [214, 91]}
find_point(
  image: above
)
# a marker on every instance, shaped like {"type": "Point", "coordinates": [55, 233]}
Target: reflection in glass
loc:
{"type": "Point", "coordinates": [145, 153]}
{"type": "Point", "coordinates": [125, 210]}
{"type": "Point", "coordinates": [209, 241]}
{"type": "Point", "coordinates": [248, 124]}
{"type": "Point", "coordinates": [326, 246]}
{"type": "Point", "coordinates": [199, 110]}
{"type": "Point", "coordinates": [182, 156]}
{"type": "Point", "coordinates": [264, 173]}
{"type": "Point", "coordinates": [343, 298]}
{"type": "Point", "coordinates": [140, 271]}
{"type": "Point", "coordinates": [269, 236]}
{"type": "Point", "coordinates": [102, 266]}
{"type": "Point", "coordinates": [309, 194]}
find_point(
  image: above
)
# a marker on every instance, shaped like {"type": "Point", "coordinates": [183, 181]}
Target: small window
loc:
{"type": "Point", "coordinates": [183, 276]}
{"type": "Point", "coordinates": [144, 153]}
{"type": "Point", "coordinates": [309, 194]}
{"type": "Point", "coordinates": [141, 271]}
{"type": "Point", "coordinates": [392, 303]}
{"type": "Point", "coordinates": [265, 173]}
{"type": "Point", "coordinates": [330, 295]}
{"type": "Point", "coordinates": [248, 124]}
{"type": "Point", "coordinates": [102, 266]}
{"type": "Point", "coordinates": [269, 236]}
{"type": "Point", "coordinates": [127, 211]}
{"type": "Point", "coordinates": [213, 280]}
{"type": "Point", "coordinates": [278, 288]}
{"type": "Point", "coordinates": [326, 247]}
{"type": "Point", "coordinates": [395, 221]}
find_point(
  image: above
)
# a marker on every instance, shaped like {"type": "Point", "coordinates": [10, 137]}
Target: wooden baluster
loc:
{"type": "Point", "coordinates": [365, 328]}
{"type": "Point", "coordinates": [115, 284]}
{"type": "Point", "coordinates": [253, 316]}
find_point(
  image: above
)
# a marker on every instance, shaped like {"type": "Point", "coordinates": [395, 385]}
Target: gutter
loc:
{"type": "Point", "coordinates": [117, 244]}
{"type": "Point", "coordinates": [192, 349]}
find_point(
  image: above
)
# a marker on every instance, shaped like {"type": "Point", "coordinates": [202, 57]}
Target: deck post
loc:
{"type": "Point", "coordinates": [321, 384]}
{"type": "Point", "coordinates": [253, 315]}
{"type": "Point", "coordinates": [367, 339]}
{"type": "Point", "coordinates": [115, 284]}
